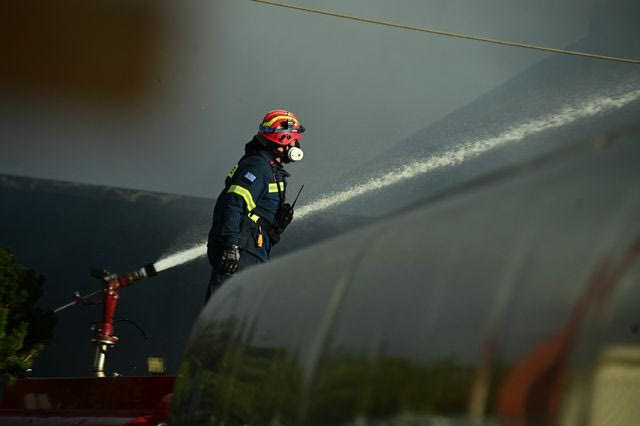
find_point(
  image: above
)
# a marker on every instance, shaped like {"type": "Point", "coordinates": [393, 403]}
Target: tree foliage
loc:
{"type": "Point", "coordinates": [24, 328]}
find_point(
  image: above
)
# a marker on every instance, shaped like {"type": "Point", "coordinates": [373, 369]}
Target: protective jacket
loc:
{"type": "Point", "coordinates": [254, 189]}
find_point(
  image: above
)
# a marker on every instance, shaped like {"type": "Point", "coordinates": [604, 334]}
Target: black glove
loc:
{"type": "Point", "coordinates": [230, 259]}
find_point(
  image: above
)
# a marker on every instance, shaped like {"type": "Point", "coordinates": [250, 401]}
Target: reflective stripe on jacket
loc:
{"type": "Point", "coordinates": [250, 192]}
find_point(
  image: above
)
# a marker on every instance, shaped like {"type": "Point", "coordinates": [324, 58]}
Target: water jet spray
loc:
{"type": "Point", "coordinates": [458, 154]}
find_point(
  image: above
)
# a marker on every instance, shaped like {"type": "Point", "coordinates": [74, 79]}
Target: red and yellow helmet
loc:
{"type": "Point", "coordinates": [281, 127]}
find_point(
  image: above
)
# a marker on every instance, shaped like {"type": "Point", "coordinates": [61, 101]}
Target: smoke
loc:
{"type": "Point", "coordinates": [453, 157]}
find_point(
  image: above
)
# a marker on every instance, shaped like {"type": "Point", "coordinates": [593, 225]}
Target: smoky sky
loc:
{"type": "Point", "coordinates": [162, 96]}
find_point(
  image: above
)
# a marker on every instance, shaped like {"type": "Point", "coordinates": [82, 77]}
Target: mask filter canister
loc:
{"type": "Point", "coordinates": [295, 153]}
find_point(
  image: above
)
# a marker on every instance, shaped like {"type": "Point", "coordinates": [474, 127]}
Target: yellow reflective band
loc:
{"type": "Point", "coordinates": [253, 217]}
{"type": "Point", "coordinates": [273, 187]}
{"type": "Point", "coordinates": [280, 117]}
{"type": "Point", "coordinates": [232, 172]}
{"type": "Point", "coordinates": [244, 193]}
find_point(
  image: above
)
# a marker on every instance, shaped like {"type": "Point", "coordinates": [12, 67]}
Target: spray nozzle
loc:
{"type": "Point", "coordinates": [150, 270]}
{"type": "Point", "coordinates": [102, 274]}
{"type": "Point", "coordinates": [125, 279]}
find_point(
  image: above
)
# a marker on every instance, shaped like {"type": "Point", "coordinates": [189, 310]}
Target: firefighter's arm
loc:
{"type": "Point", "coordinates": [246, 189]}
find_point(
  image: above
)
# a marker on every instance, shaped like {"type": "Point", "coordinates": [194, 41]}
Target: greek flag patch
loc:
{"type": "Point", "coordinates": [250, 177]}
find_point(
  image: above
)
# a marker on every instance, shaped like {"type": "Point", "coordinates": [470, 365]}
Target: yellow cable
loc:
{"type": "Point", "coordinates": [449, 34]}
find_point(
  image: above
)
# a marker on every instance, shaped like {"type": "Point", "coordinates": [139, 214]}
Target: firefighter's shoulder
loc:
{"type": "Point", "coordinates": [258, 165]}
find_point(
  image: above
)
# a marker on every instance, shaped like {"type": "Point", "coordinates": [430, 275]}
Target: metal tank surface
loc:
{"type": "Point", "coordinates": [513, 300]}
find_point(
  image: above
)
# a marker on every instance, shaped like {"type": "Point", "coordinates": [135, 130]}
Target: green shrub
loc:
{"type": "Point", "coordinates": [24, 328]}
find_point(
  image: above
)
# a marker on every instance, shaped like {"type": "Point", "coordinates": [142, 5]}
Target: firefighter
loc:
{"type": "Point", "coordinates": [251, 213]}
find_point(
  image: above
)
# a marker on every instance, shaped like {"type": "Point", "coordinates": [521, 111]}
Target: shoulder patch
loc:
{"type": "Point", "coordinates": [250, 177]}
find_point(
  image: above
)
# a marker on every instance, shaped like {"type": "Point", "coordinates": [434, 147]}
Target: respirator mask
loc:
{"type": "Point", "coordinates": [293, 153]}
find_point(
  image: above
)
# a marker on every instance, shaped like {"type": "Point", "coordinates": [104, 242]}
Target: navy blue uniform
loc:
{"type": "Point", "coordinates": [250, 196]}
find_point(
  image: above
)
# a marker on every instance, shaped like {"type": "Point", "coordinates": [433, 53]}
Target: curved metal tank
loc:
{"type": "Point", "coordinates": [513, 300]}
